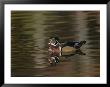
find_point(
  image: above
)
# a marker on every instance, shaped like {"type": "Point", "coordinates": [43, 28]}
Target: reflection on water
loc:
{"type": "Point", "coordinates": [30, 31]}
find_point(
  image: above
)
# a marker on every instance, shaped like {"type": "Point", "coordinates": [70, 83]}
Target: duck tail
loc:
{"type": "Point", "coordinates": [82, 43]}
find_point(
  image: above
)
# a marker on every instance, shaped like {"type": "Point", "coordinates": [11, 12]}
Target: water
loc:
{"type": "Point", "coordinates": [29, 43]}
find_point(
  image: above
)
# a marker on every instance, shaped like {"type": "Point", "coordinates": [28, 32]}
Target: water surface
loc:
{"type": "Point", "coordinates": [30, 31]}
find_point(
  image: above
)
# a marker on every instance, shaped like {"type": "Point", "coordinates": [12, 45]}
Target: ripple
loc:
{"type": "Point", "coordinates": [30, 31]}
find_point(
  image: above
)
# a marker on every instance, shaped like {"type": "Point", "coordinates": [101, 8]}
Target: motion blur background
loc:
{"type": "Point", "coordinates": [30, 31]}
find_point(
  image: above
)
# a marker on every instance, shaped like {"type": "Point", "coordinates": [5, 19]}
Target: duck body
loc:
{"type": "Point", "coordinates": [74, 44]}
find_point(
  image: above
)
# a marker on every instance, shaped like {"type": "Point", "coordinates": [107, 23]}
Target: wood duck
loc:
{"type": "Point", "coordinates": [55, 44]}
{"type": "Point", "coordinates": [56, 49]}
